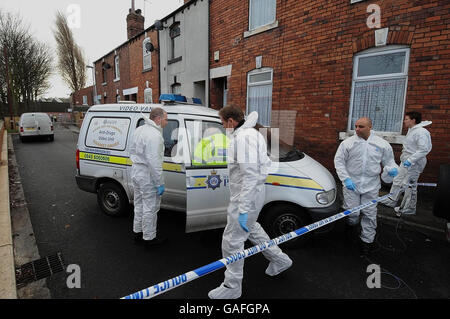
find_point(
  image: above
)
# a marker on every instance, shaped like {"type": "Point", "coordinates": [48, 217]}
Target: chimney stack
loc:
{"type": "Point", "coordinates": [135, 21]}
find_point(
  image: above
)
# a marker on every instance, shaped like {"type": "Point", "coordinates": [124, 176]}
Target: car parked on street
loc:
{"type": "Point", "coordinates": [35, 125]}
{"type": "Point", "coordinates": [299, 190]}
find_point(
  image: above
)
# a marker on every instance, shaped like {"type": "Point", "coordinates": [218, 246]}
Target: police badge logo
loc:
{"type": "Point", "coordinates": [213, 180]}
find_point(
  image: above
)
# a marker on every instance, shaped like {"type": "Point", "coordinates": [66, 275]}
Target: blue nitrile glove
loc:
{"type": "Point", "coordinates": [243, 217]}
{"type": "Point", "coordinates": [161, 190]}
{"type": "Point", "coordinates": [349, 184]}
{"type": "Point", "coordinates": [393, 172]}
{"type": "Point", "coordinates": [407, 163]}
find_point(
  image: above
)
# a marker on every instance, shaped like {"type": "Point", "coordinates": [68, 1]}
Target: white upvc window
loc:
{"type": "Point", "coordinates": [176, 88]}
{"type": "Point", "coordinates": [262, 12]}
{"type": "Point", "coordinates": [380, 81]}
{"type": "Point", "coordinates": [116, 68]}
{"type": "Point", "coordinates": [146, 55]}
{"type": "Point", "coordinates": [259, 94]}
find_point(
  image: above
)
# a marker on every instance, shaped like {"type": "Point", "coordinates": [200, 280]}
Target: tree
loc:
{"type": "Point", "coordinates": [71, 61]}
{"type": "Point", "coordinates": [25, 63]}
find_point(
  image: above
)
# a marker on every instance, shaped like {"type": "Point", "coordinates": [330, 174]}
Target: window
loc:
{"type": "Point", "coordinates": [170, 134]}
{"type": "Point", "coordinates": [176, 88]}
{"type": "Point", "coordinates": [198, 130]}
{"type": "Point", "coordinates": [116, 68]}
{"type": "Point", "coordinates": [262, 12]}
{"type": "Point", "coordinates": [175, 47]}
{"type": "Point", "coordinates": [104, 67]}
{"type": "Point", "coordinates": [85, 100]}
{"type": "Point", "coordinates": [259, 94]}
{"type": "Point", "coordinates": [379, 88]}
{"type": "Point", "coordinates": [146, 55]}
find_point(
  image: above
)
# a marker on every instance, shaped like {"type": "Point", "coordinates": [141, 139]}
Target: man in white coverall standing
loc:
{"type": "Point", "coordinates": [413, 159]}
{"type": "Point", "coordinates": [248, 166]}
{"type": "Point", "coordinates": [357, 163]}
{"type": "Point", "coordinates": [147, 155]}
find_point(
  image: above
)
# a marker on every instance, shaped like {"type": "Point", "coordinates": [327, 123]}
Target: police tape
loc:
{"type": "Point", "coordinates": [427, 184]}
{"type": "Point", "coordinates": [180, 280]}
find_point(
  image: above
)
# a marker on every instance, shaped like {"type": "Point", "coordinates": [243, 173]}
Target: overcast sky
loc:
{"type": "Point", "coordinates": [100, 28]}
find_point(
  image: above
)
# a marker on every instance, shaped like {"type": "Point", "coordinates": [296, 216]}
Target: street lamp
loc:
{"type": "Point", "coordinates": [94, 82]}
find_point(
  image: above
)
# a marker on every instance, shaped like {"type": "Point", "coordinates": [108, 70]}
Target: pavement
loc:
{"type": "Point", "coordinates": [17, 245]}
{"type": "Point", "coordinates": [7, 271]}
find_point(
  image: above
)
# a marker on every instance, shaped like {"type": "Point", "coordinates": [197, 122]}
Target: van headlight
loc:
{"type": "Point", "coordinates": [326, 197]}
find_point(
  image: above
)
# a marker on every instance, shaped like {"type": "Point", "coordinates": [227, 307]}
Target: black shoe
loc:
{"type": "Point", "coordinates": [138, 238]}
{"type": "Point", "coordinates": [351, 232]}
{"type": "Point", "coordinates": [365, 249]}
{"type": "Point", "coordinates": [155, 242]}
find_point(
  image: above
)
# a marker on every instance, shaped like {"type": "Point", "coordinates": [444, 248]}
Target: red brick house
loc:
{"type": "Point", "coordinates": [313, 67]}
{"type": "Point", "coordinates": [130, 72]}
{"type": "Point", "coordinates": [83, 97]}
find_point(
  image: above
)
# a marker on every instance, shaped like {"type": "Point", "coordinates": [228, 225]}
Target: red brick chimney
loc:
{"type": "Point", "coordinates": [135, 21]}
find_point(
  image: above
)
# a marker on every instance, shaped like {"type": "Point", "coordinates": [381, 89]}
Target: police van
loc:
{"type": "Point", "coordinates": [299, 190]}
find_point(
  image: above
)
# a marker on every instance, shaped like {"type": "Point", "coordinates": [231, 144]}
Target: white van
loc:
{"type": "Point", "coordinates": [299, 189]}
{"type": "Point", "coordinates": [35, 124]}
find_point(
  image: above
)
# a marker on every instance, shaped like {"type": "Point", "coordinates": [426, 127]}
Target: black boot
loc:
{"type": "Point", "coordinates": [365, 249]}
{"type": "Point", "coordinates": [138, 238]}
{"type": "Point", "coordinates": [158, 240]}
{"type": "Point", "coordinates": [351, 232]}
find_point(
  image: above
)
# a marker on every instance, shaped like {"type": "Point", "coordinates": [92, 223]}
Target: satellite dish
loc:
{"type": "Point", "coordinates": [158, 25]}
{"type": "Point", "coordinates": [149, 47]}
{"type": "Point", "coordinates": [106, 66]}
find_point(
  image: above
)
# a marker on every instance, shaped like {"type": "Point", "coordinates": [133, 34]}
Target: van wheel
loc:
{"type": "Point", "coordinates": [112, 200]}
{"type": "Point", "coordinates": [52, 138]}
{"type": "Point", "coordinates": [284, 218]}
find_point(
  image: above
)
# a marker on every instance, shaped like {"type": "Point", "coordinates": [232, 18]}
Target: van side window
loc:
{"type": "Point", "coordinates": [208, 143]}
{"type": "Point", "coordinates": [140, 123]}
{"type": "Point", "coordinates": [170, 135]}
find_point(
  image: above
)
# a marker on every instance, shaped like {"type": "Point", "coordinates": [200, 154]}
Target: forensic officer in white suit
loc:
{"type": "Point", "coordinates": [147, 155]}
{"type": "Point", "coordinates": [413, 159]}
{"type": "Point", "coordinates": [248, 166]}
{"type": "Point", "coordinates": [357, 162]}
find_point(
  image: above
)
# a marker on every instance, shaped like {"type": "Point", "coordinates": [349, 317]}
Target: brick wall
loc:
{"type": "Point", "coordinates": [311, 53]}
{"type": "Point", "coordinates": [77, 97]}
{"type": "Point", "coordinates": [131, 70]}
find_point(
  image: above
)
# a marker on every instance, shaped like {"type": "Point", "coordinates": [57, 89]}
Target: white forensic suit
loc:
{"type": "Point", "coordinates": [248, 168]}
{"type": "Point", "coordinates": [416, 147]}
{"type": "Point", "coordinates": [147, 155]}
{"type": "Point", "coordinates": [360, 160]}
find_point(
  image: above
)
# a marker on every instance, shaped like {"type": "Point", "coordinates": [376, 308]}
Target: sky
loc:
{"type": "Point", "coordinates": [98, 26]}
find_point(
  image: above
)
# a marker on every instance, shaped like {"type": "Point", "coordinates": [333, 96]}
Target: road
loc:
{"type": "Point", "coordinates": [68, 220]}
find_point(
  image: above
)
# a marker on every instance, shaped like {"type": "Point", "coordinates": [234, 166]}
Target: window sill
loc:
{"type": "Point", "coordinates": [392, 138]}
{"type": "Point", "coordinates": [147, 70]}
{"type": "Point", "coordinates": [116, 80]}
{"type": "Point", "coordinates": [261, 29]}
{"type": "Point", "coordinates": [104, 83]}
{"type": "Point", "coordinates": [175, 60]}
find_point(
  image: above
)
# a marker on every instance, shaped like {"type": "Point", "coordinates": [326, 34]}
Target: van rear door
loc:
{"type": "Point", "coordinates": [29, 123]}
{"type": "Point", "coordinates": [206, 185]}
{"type": "Point", "coordinates": [44, 124]}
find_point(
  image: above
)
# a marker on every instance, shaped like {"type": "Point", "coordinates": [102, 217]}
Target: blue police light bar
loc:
{"type": "Point", "coordinates": [172, 98]}
{"type": "Point", "coordinates": [196, 101]}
